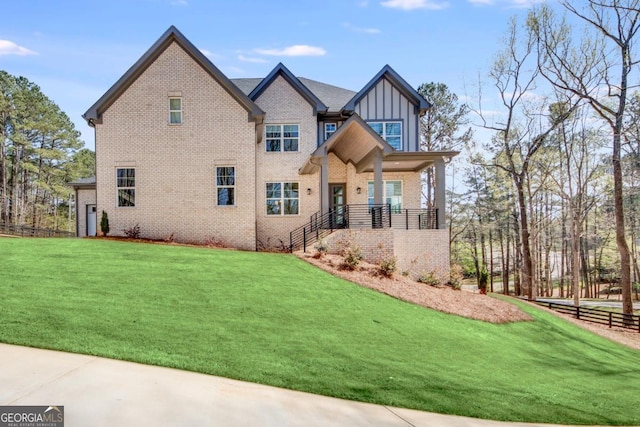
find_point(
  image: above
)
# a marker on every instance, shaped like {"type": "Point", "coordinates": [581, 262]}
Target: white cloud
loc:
{"type": "Point", "coordinates": [482, 2]}
{"type": "Point", "coordinates": [10, 48]}
{"type": "Point", "coordinates": [179, 3]}
{"type": "Point", "coordinates": [296, 50]}
{"type": "Point", "coordinates": [211, 55]}
{"type": "Point", "coordinates": [415, 4]}
{"type": "Point", "coordinates": [516, 4]}
{"type": "Point", "coordinates": [251, 59]}
{"type": "Point", "coordinates": [348, 26]}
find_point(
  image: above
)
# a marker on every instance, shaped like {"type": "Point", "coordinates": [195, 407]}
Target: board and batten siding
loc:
{"type": "Point", "coordinates": [385, 102]}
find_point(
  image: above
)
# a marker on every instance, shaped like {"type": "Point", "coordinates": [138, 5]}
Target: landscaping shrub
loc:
{"type": "Point", "coordinates": [387, 267]}
{"type": "Point", "coordinates": [352, 255]}
{"type": "Point", "coordinates": [483, 279]}
{"type": "Point", "coordinates": [133, 232]}
{"type": "Point", "coordinates": [321, 249]}
{"type": "Point", "coordinates": [104, 223]}
{"type": "Point", "coordinates": [456, 276]}
{"type": "Point", "coordinates": [429, 278]}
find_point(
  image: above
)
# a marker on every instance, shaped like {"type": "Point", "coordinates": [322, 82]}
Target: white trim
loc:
{"type": "Point", "coordinates": [118, 188]}
{"type": "Point", "coordinates": [280, 200]}
{"type": "Point", "coordinates": [281, 138]}
{"type": "Point", "coordinates": [176, 111]}
{"type": "Point", "coordinates": [234, 186]}
{"type": "Point", "coordinates": [384, 131]}
{"type": "Point", "coordinates": [384, 191]}
{"type": "Point", "coordinates": [326, 136]}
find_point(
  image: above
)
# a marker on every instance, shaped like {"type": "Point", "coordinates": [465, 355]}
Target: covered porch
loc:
{"type": "Point", "coordinates": [371, 159]}
{"type": "Point", "coordinates": [365, 184]}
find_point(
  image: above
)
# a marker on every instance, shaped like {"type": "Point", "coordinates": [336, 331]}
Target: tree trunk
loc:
{"type": "Point", "coordinates": [491, 259]}
{"type": "Point", "coordinates": [527, 263]}
{"type": "Point", "coordinates": [575, 256]}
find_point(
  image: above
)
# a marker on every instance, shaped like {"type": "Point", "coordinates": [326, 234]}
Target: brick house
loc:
{"type": "Point", "coordinates": [279, 161]}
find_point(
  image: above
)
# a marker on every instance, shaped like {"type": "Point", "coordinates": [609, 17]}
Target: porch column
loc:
{"type": "Point", "coordinates": [324, 183]}
{"type": "Point", "coordinates": [440, 194]}
{"type": "Point", "coordinates": [377, 178]}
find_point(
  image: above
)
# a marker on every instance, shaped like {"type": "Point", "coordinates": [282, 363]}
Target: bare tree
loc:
{"type": "Point", "coordinates": [523, 131]}
{"type": "Point", "coordinates": [603, 58]}
{"type": "Point", "coordinates": [575, 147]}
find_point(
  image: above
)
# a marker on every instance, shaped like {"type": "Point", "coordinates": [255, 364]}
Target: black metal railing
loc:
{"type": "Point", "coordinates": [594, 315]}
{"type": "Point", "coordinates": [415, 219]}
{"type": "Point", "coordinates": [361, 217]}
{"type": "Point", "coordinates": [26, 231]}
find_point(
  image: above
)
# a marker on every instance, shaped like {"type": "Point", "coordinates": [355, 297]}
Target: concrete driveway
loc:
{"type": "Point", "coordinates": [103, 392]}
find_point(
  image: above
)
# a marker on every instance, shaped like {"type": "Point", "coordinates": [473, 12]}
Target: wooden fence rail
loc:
{"type": "Point", "coordinates": [594, 315]}
{"type": "Point", "coordinates": [26, 231]}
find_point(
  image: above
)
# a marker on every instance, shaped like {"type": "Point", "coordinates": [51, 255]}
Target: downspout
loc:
{"type": "Point", "coordinates": [76, 207]}
{"type": "Point", "coordinates": [258, 127]}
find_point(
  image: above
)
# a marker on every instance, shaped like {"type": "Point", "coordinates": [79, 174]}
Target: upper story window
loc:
{"type": "Point", "coordinates": [226, 185]}
{"type": "Point", "coordinates": [390, 132]}
{"type": "Point", "coordinates": [175, 110]}
{"type": "Point", "coordinates": [329, 129]}
{"type": "Point", "coordinates": [282, 137]}
{"type": "Point", "coordinates": [126, 185]}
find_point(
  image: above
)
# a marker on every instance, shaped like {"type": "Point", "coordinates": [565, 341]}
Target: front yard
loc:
{"type": "Point", "coordinates": [276, 320]}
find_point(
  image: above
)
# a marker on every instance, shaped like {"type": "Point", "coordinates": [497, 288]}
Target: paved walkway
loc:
{"type": "Point", "coordinates": [103, 392]}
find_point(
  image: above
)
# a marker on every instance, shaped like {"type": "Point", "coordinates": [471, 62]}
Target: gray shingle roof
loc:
{"type": "Point", "coordinates": [332, 96]}
{"type": "Point", "coordinates": [84, 182]}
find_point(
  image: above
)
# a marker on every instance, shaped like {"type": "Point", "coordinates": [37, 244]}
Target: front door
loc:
{"type": "Point", "coordinates": [338, 201]}
{"type": "Point", "coordinates": [91, 220]}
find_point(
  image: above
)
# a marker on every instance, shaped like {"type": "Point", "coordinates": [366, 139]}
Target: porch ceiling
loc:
{"type": "Point", "coordinates": [354, 142]}
{"type": "Point", "coordinates": [400, 161]}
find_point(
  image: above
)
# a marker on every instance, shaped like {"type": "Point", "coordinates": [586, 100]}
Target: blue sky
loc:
{"type": "Point", "coordinates": [75, 50]}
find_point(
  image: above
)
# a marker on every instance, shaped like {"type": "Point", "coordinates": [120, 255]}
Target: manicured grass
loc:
{"type": "Point", "coordinates": [275, 320]}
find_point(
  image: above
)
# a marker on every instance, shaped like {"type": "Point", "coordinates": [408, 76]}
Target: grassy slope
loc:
{"type": "Point", "coordinates": [273, 319]}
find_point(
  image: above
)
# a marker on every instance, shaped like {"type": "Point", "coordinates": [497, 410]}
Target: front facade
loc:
{"type": "Point", "coordinates": [188, 154]}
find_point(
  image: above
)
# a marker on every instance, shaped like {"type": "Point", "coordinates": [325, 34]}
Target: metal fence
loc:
{"type": "Point", "coordinates": [361, 217]}
{"type": "Point", "coordinates": [594, 315]}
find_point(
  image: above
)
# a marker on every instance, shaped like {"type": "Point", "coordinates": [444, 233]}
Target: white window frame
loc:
{"type": "Point", "coordinates": [173, 111]}
{"type": "Point", "coordinates": [384, 135]}
{"type": "Point", "coordinates": [395, 208]}
{"type": "Point", "coordinates": [280, 200]}
{"type": "Point", "coordinates": [327, 132]}
{"type": "Point", "coordinates": [220, 185]}
{"type": "Point", "coordinates": [282, 138]}
{"type": "Point", "coordinates": [127, 187]}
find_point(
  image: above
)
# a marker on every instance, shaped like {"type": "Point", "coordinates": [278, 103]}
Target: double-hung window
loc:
{"type": "Point", "coordinates": [329, 129]}
{"type": "Point", "coordinates": [391, 194]}
{"type": "Point", "coordinates": [282, 137]}
{"type": "Point", "coordinates": [283, 198]}
{"type": "Point", "coordinates": [175, 110]}
{"type": "Point", "coordinates": [126, 186]}
{"type": "Point", "coordinates": [390, 132]}
{"type": "Point", "coordinates": [226, 185]}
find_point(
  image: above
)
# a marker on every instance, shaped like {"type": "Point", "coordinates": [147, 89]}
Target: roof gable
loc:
{"type": "Point", "coordinates": [396, 80]}
{"type": "Point", "coordinates": [281, 70]}
{"type": "Point", "coordinates": [94, 113]}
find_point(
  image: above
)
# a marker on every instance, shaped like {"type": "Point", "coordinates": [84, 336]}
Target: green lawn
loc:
{"type": "Point", "coordinates": [273, 319]}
